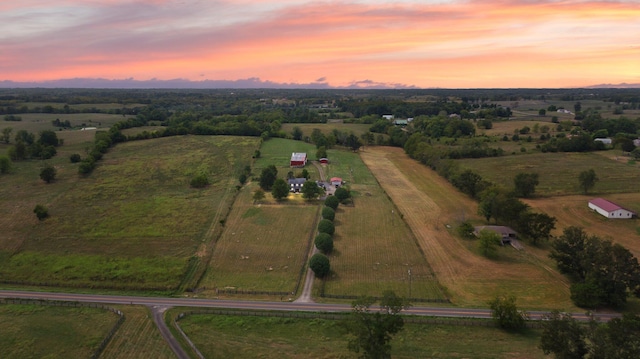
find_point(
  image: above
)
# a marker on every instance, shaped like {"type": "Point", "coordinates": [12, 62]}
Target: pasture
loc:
{"type": "Point", "coordinates": [229, 336]}
{"type": "Point", "coordinates": [433, 208]}
{"type": "Point", "coordinates": [559, 172]}
{"type": "Point", "coordinates": [277, 151]}
{"type": "Point", "coordinates": [133, 223]}
{"type": "Point", "coordinates": [38, 331]}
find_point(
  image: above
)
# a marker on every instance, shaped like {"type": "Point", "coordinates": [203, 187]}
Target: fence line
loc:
{"type": "Point", "coordinates": [54, 303]}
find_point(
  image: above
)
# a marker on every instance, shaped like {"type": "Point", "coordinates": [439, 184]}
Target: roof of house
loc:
{"type": "Point", "coordinates": [323, 159]}
{"type": "Point", "coordinates": [607, 205]}
{"type": "Point", "coordinates": [502, 230]}
{"type": "Point", "coordinates": [298, 156]}
{"type": "Point", "coordinates": [336, 179]}
{"type": "Point", "coordinates": [301, 180]}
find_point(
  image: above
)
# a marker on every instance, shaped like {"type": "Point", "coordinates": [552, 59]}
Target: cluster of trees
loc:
{"type": "Point", "coordinates": [319, 262]}
{"type": "Point", "coordinates": [103, 140]}
{"type": "Point", "coordinates": [603, 273]}
{"type": "Point", "coordinates": [566, 338]}
{"type": "Point", "coordinates": [26, 146]}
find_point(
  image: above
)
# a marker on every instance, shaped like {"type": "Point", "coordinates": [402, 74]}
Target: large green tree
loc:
{"type": "Point", "coordinates": [5, 164]}
{"type": "Point", "coordinates": [320, 265]}
{"type": "Point", "coordinates": [268, 177]}
{"type": "Point", "coordinates": [6, 134]}
{"type": "Point", "coordinates": [280, 189]}
{"type": "Point", "coordinates": [48, 173]}
{"type": "Point", "coordinates": [371, 331]}
{"type": "Point", "coordinates": [525, 184]}
{"type": "Point", "coordinates": [506, 314]}
{"type": "Point", "coordinates": [536, 226]}
{"type": "Point", "coordinates": [311, 190]}
{"type": "Point", "coordinates": [587, 180]}
{"type": "Point", "coordinates": [563, 336]}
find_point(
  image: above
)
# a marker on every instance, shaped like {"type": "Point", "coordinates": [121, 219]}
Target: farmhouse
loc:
{"type": "Point", "coordinates": [336, 181]}
{"type": "Point", "coordinates": [298, 159]}
{"type": "Point", "coordinates": [506, 233]}
{"type": "Point", "coordinates": [606, 141]}
{"type": "Point", "coordinates": [295, 184]}
{"type": "Point", "coordinates": [610, 209]}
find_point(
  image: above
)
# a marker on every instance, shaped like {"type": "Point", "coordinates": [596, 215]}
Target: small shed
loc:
{"type": "Point", "coordinates": [336, 181]}
{"type": "Point", "coordinates": [298, 159]}
{"type": "Point", "coordinates": [324, 160]}
{"type": "Point", "coordinates": [610, 209]}
{"type": "Point", "coordinates": [506, 233]}
{"type": "Point", "coordinates": [295, 184]}
{"type": "Point", "coordinates": [400, 122]}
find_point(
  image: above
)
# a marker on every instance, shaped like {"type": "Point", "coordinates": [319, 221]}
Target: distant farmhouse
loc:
{"type": "Point", "coordinates": [610, 209]}
{"type": "Point", "coordinates": [388, 117]}
{"type": "Point", "coordinates": [505, 233]}
{"type": "Point", "coordinates": [605, 141]}
{"type": "Point", "coordinates": [298, 159]}
{"type": "Point", "coordinates": [336, 181]}
{"type": "Point", "coordinates": [295, 184]}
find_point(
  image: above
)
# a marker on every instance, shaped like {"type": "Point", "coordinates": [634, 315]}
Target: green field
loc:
{"type": "Point", "coordinates": [133, 223]}
{"type": "Point", "coordinates": [327, 128]}
{"type": "Point", "coordinates": [226, 336]}
{"type": "Point", "coordinates": [559, 171]}
{"type": "Point", "coordinates": [38, 331]}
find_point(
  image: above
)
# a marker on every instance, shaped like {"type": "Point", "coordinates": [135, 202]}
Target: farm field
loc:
{"type": "Point", "coordinates": [38, 331]}
{"type": "Point", "coordinates": [227, 336]}
{"type": "Point", "coordinates": [433, 208]}
{"type": "Point", "coordinates": [559, 172]}
{"type": "Point", "coordinates": [374, 248]}
{"type": "Point", "coordinates": [277, 151]}
{"type": "Point", "coordinates": [133, 223]}
{"type": "Point", "coordinates": [137, 337]}
{"type": "Point", "coordinates": [264, 247]}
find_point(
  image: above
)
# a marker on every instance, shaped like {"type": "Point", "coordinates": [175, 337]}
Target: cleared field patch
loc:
{"type": "Point", "coordinates": [559, 172]}
{"type": "Point", "coordinates": [133, 222]}
{"type": "Point", "coordinates": [229, 336]}
{"type": "Point", "coordinates": [574, 211]}
{"type": "Point", "coordinates": [432, 208]}
{"type": "Point", "coordinates": [137, 337]}
{"type": "Point", "coordinates": [263, 247]}
{"type": "Point", "coordinates": [37, 331]}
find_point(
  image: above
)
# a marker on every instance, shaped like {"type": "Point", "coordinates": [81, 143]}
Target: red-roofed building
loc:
{"type": "Point", "coordinates": [298, 159]}
{"type": "Point", "coordinates": [336, 181]}
{"type": "Point", "coordinates": [610, 209]}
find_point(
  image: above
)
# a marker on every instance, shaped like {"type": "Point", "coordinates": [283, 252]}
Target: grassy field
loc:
{"type": "Point", "coordinates": [559, 171]}
{"type": "Point", "coordinates": [374, 248]}
{"type": "Point", "coordinates": [134, 222]}
{"type": "Point", "coordinates": [36, 331]}
{"type": "Point", "coordinates": [433, 208]}
{"type": "Point", "coordinates": [223, 336]}
{"type": "Point", "coordinates": [137, 337]}
{"type": "Point", "coordinates": [277, 152]}
{"type": "Point", "coordinates": [327, 128]}
{"type": "Point", "coordinates": [263, 247]}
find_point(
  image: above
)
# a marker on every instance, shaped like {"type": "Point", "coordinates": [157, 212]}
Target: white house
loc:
{"type": "Point", "coordinates": [388, 117]}
{"type": "Point", "coordinates": [610, 209]}
{"type": "Point", "coordinates": [606, 141]}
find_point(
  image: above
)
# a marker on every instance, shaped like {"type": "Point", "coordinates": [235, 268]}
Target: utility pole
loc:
{"type": "Point", "coordinates": [409, 271]}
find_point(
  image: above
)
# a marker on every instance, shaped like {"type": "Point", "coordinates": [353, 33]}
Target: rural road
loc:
{"type": "Point", "coordinates": [255, 305]}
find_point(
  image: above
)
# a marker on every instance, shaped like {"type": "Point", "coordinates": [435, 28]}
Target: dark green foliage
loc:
{"type": "Point", "coordinates": [311, 190]}
{"type": "Point", "coordinates": [342, 194]}
{"type": "Point", "coordinates": [5, 164]}
{"type": "Point", "coordinates": [200, 180]}
{"type": "Point", "coordinates": [603, 273]}
{"type": "Point", "coordinates": [353, 142]}
{"type": "Point", "coordinates": [465, 230]}
{"type": "Point", "coordinates": [319, 264]}
{"type": "Point", "coordinates": [469, 183]}
{"type": "Point", "coordinates": [242, 178]}
{"type": "Point", "coordinates": [256, 154]}
{"type": "Point", "coordinates": [506, 314]}
{"type": "Point", "coordinates": [6, 134]}
{"type": "Point", "coordinates": [321, 152]}
{"type": "Point", "coordinates": [326, 226]}
{"type": "Point", "coordinates": [48, 138]}
{"type": "Point", "coordinates": [332, 202]}
{"type": "Point", "coordinates": [525, 184]}
{"type": "Point", "coordinates": [258, 195]}
{"type": "Point", "coordinates": [75, 158]}
{"type": "Point", "coordinates": [488, 243]}
{"type": "Point", "coordinates": [280, 189]}
{"type": "Point", "coordinates": [268, 177]}
{"type": "Point", "coordinates": [324, 243]}
{"type": "Point", "coordinates": [86, 166]}
{"type": "Point", "coordinates": [536, 226]}
{"type": "Point", "coordinates": [619, 338]}
{"type": "Point", "coordinates": [371, 332]}
{"type": "Point", "coordinates": [587, 180]}
{"type": "Point", "coordinates": [304, 174]}
{"type": "Point", "coordinates": [563, 336]}
{"type": "Point", "coordinates": [25, 137]}
{"type": "Point", "coordinates": [296, 134]}
{"type": "Point", "coordinates": [48, 173]}
{"type": "Point", "coordinates": [328, 213]}
{"type": "Point", "coordinates": [41, 212]}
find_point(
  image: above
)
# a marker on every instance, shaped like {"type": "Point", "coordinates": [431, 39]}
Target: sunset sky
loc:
{"type": "Point", "coordinates": [427, 43]}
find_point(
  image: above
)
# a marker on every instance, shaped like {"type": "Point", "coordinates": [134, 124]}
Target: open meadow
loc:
{"type": "Point", "coordinates": [228, 336]}
{"type": "Point", "coordinates": [133, 223]}
{"type": "Point", "coordinates": [41, 331]}
{"type": "Point", "coordinates": [433, 208]}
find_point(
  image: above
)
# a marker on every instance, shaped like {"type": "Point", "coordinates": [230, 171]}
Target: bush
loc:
{"type": "Point", "coordinates": [48, 173]}
{"type": "Point", "coordinates": [326, 226]}
{"type": "Point", "coordinates": [328, 213]}
{"type": "Point", "coordinates": [200, 181]}
{"type": "Point", "coordinates": [332, 202]}
{"type": "Point", "coordinates": [320, 265]}
{"type": "Point", "coordinates": [86, 166]}
{"type": "Point", "coordinates": [75, 158]}
{"type": "Point", "coordinates": [41, 212]}
{"type": "Point", "coordinates": [465, 230]}
{"type": "Point", "coordinates": [5, 164]}
{"type": "Point", "coordinates": [324, 243]}
{"type": "Point", "coordinates": [342, 194]}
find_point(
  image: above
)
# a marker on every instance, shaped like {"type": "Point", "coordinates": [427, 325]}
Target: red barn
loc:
{"type": "Point", "coordinates": [298, 159]}
{"type": "Point", "coordinates": [324, 160]}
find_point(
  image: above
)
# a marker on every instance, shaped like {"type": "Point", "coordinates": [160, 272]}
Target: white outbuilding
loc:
{"type": "Point", "coordinates": [610, 209]}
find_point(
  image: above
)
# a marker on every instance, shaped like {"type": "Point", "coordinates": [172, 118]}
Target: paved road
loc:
{"type": "Point", "coordinates": [255, 305]}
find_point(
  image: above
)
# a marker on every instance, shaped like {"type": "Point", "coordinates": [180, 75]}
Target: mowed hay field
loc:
{"type": "Point", "coordinates": [263, 247]}
{"type": "Point", "coordinates": [228, 336]}
{"type": "Point", "coordinates": [373, 248]}
{"type": "Point", "coordinates": [430, 205]}
{"type": "Point", "coordinates": [574, 211]}
{"type": "Point", "coordinates": [559, 172]}
{"type": "Point", "coordinates": [38, 331]}
{"type": "Point", "coordinates": [133, 223]}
